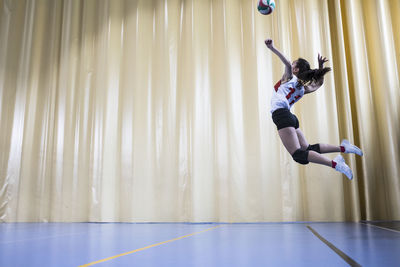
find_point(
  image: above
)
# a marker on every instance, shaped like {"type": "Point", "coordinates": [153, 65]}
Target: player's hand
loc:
{"type": "Point", "coordinates": [269, 43]}
{"type": "Point", "coordinates": [321, 61]}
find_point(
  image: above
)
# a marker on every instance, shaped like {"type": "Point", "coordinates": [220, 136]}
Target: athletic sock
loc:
{"type": "Point", "coordinates": [342, 149]}
{"type": "Point", "coordinates": [333, 164]}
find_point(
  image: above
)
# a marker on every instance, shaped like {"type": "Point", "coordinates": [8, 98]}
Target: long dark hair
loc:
{"type": "Point", "coordinates": [306, 74]}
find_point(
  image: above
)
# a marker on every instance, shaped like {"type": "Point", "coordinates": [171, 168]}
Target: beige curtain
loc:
{"type": "Point", "coordinates": [158, 110]}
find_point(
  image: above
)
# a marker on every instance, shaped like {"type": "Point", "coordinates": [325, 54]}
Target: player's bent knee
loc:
{"type": "Point", "coordinates": [301, 156]}
{"type": "Point", "coordinates": [315, 148]}
{"type": "Point", "coordinates": [304, 147]}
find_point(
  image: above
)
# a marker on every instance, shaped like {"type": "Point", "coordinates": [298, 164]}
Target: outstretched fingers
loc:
{"type": "Point", "coordinates": [321, 60]}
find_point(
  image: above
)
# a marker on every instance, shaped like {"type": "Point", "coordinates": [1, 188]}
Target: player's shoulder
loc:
{"type": "Point", "coordinates": [286, 79]}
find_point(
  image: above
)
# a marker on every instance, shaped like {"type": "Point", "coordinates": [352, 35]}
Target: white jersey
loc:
{"type": "Point", "coordinates": [286, 94]}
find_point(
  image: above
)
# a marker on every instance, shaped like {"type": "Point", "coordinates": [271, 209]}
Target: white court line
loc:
{"type": "Point", "coordinates": [383, 228]}
{"type": "Point", "coordinates": [41, 238]}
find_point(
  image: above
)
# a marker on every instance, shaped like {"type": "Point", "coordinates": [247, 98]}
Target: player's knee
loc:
{"type": "Point", "coordinates": [300, 156]}
{"type": "Point", "coordinates": [315, 148]}
{"type": "Point", "coordinates": [304, 146]}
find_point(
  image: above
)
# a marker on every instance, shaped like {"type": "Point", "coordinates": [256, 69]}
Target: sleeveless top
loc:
{"type": "Point", "coordinates": [285, 95]}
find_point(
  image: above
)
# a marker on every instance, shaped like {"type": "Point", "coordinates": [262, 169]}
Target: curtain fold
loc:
{"type": "Point", "coordinates": [158, 110]}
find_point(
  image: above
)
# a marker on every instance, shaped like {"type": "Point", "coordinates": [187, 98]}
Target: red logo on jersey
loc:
{"type": "Point", "coordinates": [292, 90]}
{"type": "Point", "coordinates": [295, 98]}
{"type": "Point", "coordinates": [277, 85]}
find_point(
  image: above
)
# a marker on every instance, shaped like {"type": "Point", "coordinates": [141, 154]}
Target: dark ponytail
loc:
{"type": "Point", "coordinates": [311, 75]}
{"type": "Point", "coordinates": [306, 74]}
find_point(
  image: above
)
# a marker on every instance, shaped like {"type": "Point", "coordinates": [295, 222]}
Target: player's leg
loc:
{"type": "Point", "coordinates": [315, 156]}
{"type": "Point", "coordinates": [287, 124]}
{"type": "Point", "coordinates": [327, 148]}
{"type": "Point", "coordinates": [291, 142]}
{"type": "Point", "coordinates": [302, 139]}
{"type": "Point", "coordinates": [289, 139]}
{"type": "Point", "coordinates": [344, 147]}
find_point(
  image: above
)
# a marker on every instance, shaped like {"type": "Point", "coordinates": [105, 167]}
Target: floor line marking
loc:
{"type": "Point", "coordinates": [343, 255]}
{"type": "Point", "coordinates": [150, 246]}
{"type": "Point", "coordinates": [40, 238]}
{"type": "Point", "coordinates": [380, 227]}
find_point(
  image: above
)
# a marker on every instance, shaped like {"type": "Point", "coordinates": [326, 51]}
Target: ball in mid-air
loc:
{"type": "Point", "coordinates": [266, 6]}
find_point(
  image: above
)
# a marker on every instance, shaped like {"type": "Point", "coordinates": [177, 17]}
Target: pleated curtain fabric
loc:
{"type": "Point", "coordinates": [159, 110]}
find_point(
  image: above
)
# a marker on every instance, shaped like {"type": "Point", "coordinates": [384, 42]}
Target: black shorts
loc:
{"type": "Point", "coordinates": [284, 118]}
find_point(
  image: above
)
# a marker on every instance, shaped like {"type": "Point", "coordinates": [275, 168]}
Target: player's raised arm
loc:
{"type": "Point", "coordinates": [288, 66]}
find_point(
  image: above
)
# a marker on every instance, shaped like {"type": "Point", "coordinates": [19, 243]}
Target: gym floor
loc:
{"type": "Point", "coordinates": [186, 244]}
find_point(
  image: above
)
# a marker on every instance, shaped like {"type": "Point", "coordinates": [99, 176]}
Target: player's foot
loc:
{"type": "Point", "coordinates": [349, 148]}
{"type": "Point", "coordinates": [342, 167]}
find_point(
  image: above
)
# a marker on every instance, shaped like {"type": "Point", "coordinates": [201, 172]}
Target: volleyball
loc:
{"type": "Point", "coordinates": [266, 6]}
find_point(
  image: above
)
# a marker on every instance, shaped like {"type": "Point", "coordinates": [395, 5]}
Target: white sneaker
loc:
{"type": "Point", "coordinates": [349, 148]}
{"type": "Point", "coordinates": [342, 167]}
